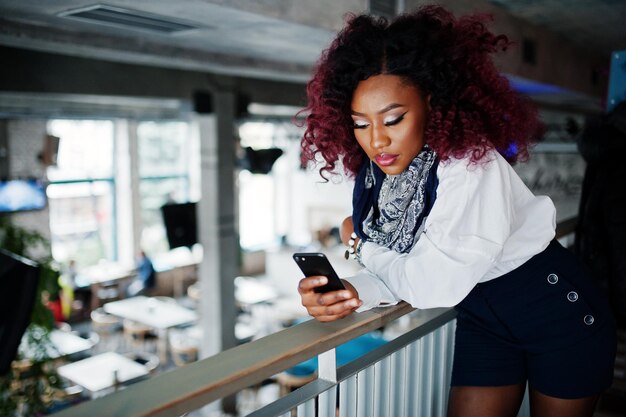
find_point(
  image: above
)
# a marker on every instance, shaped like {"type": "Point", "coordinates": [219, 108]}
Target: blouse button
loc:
{"type": "Point", "coordinates": [553, 278]}
{"type": "Point", "coordinates": [588, 319]}
{"type": "Point", "coordinates": [572, 296]}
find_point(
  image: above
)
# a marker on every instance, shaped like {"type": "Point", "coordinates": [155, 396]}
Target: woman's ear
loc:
{"type": "Point", "coordinates": [428, 106]}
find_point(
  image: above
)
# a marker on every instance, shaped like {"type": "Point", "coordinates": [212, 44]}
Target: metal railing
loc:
{"type": "Point", "coordinates": [191, 387]}
{"type": "Point", "coordinates": [408, 376]}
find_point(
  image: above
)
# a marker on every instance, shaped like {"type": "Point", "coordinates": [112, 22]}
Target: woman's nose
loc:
{"type": "Point", "coordinates": [379, 138]}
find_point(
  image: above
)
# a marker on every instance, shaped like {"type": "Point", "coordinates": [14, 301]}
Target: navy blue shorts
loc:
{"type": "Point", "coordinates": [544, 322]}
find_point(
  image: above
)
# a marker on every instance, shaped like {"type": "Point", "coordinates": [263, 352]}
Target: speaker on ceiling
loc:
{"type": "Point", "coordinates": [180, 224]}
{"type": "Point", "coordinates": [260, 161]}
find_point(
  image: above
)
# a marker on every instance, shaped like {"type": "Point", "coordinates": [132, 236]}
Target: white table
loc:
{"type": "Point", "coordinates": [151, 312]}
{"type": "Point", "coordinates": [154, 313]}
{"type": "Point", "coordinates": [249, 290]}
{"type": "Point", "coordinates": [102, 371]}
{"type": "Point", "coordinates": [62, 344]}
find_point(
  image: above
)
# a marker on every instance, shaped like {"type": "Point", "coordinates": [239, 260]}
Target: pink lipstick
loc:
{"type": "Point", "coordinates": [386, 159]}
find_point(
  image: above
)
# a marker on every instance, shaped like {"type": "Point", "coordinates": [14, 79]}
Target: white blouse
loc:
{"type": "Point", "coordinates": [485, 222]}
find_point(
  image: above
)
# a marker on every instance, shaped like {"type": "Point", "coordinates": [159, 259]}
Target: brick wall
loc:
{"type": "Point", "coordinates": [25, 141]}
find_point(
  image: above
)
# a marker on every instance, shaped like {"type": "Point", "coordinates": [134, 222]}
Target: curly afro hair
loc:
{"type": "Point", "coordinates": [474, 108]}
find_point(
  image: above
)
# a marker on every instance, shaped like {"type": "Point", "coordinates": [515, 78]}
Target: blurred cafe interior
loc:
{"type": "Point", "coordinates": [151, 188]}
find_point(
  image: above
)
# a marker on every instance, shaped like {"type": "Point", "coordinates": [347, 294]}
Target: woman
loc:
{"type": "Point", "coordinates": [416, 111]}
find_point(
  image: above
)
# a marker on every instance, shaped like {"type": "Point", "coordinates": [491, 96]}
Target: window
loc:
{"type": "Point", "coordinates": [288, 205]}
{"type": "Point", "coordinates": [264, 212]}
{"type": "Point", "coordinates": [165, 161]}
{"type": "Point", "coordinates": [81, 193]}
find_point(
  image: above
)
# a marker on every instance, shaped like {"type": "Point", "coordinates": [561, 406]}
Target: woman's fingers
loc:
{"type": "Point", "coordinates": [332, 318]}
{"type": "Point", "coordinates": [335, 309]}
{"type": "Point", "coordinates": [328, 306]}
{"type": "Point", "coordinates": [335, 312]}
{"type": "Point", "coordinates": [307, 285]}
{"type": "Point", "coordinates": [313, 299]}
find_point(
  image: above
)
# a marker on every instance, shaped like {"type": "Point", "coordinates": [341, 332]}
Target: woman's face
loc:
{"type": "Point", "coordinates": [389, 117]}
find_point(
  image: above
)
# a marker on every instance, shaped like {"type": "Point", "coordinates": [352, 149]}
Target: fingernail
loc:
{"type": "Point", "coordinates": [346, 294]}
{"type": "Point", "coordinates": [353, 303]}
{"type": "Point", "coordinates": [322, 280]}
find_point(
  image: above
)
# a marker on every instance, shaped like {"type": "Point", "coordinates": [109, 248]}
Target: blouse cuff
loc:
{"type": "Point", "coordinates": [372, 291]}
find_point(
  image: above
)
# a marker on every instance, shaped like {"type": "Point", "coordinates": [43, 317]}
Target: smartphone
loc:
{"type": "Point", "coordinates": [318, 264]}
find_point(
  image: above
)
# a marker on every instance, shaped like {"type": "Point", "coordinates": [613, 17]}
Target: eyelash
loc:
{"type": "Point", "coordinates": [395, 121]}
{"type": "Point", "coordinates": [390, 123]}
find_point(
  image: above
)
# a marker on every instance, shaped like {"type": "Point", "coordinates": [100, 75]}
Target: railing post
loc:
{"type": "Point", "coordinates": [327, 366]}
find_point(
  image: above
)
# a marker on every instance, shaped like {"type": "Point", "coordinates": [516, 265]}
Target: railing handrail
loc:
{"type": "Point", "coordinates": [190, 387]}
{"type": "Point", "coordinates": [422, 324]}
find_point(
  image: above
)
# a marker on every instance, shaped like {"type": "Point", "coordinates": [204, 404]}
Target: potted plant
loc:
{"type": "Point", "coordinates": [30, 392]}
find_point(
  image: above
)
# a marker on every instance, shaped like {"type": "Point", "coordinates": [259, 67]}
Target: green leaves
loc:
{"type": "Point", "coordinates": [28, 392]}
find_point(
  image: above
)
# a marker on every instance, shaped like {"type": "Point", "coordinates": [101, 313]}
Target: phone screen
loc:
{"type": "Point", "coordinates": [318, 264]}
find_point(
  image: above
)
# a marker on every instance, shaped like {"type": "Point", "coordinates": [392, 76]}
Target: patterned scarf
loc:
{"type": "Point", "coordinates": [390, 209]}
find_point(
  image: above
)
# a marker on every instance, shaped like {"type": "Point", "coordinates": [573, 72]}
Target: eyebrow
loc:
{"type": "Point", "coordinates": [381, 111]}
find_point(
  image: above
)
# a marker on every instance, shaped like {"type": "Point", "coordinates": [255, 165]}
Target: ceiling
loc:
{"type": "Point", "coordinates": [269, 39]}
{"type": "Point", "coordinates": [222, 40]}
{"type": "Point", "coordinates": [598, 25]}
{"type": "Point", "coordinates": [272, 38]}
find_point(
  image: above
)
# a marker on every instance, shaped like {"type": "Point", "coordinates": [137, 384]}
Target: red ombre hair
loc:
{"type": "Point", "coordinates": [474, 108]}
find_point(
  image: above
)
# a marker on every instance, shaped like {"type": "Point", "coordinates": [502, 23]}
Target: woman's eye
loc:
{"type": "Point", "coordinates": [395, 121]}
{"type": "Point", "coordinates": [360, 125]}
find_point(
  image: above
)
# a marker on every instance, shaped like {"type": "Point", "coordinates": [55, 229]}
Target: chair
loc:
{"type": "Point", "coordinates": [105, 325]}
{"type": "Point", "coordinates": [306, 371]}
{"type": "Point", "coordinates": [182, 355]}
{"type": "Point", "coordinates": [193, 292]}
{"type": "Point", "coordinates": [288, 382]}
{"type": "Point", "coordinates": [63, 326]}
{"type": "Point", "coordinates": [90, 336]}
{"type": "Point", "coordinates": [183, 347]}
{"type": "Point", "coordinates": [165, 299]}
{"type": "Point", "coordinates": [22, 369]}
{"type": "Point", "coordinates": [64, 397]}
{"type": "Point", "coordinates": [139, 336]}
{"type": "Point", "coordinates": [103, 293]}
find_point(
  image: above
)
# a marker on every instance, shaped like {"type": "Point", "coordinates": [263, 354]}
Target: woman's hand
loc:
{"type": "Point", "coordinates": [328, 306]}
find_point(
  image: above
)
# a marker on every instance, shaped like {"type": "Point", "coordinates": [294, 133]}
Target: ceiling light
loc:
{"type": "Point", "coordinates": [134, 19]}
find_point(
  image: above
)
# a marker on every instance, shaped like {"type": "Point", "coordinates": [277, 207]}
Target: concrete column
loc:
{"type": "Point", "coordinates": [133, 160]}
{"type": "Point", "coordinates": [216, 225]}
{"type": "Point", "coordinates": [126, 238]}
{"type": "Point", "coordinates": [217, 231]}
